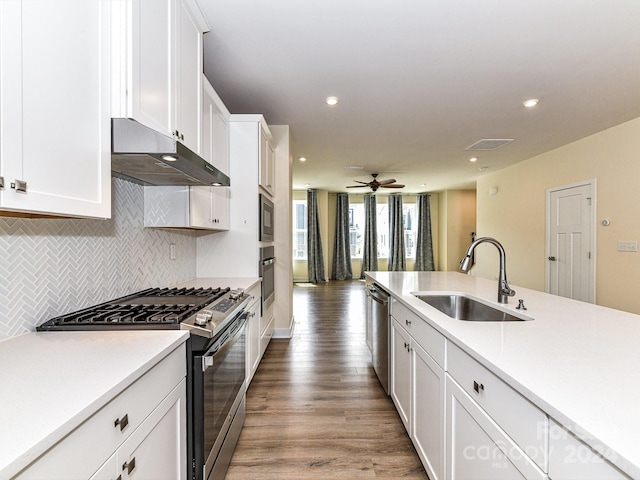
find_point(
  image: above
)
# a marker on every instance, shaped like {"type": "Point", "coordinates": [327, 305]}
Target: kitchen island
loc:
{"type": "Point", "coordinates": [575, 362]}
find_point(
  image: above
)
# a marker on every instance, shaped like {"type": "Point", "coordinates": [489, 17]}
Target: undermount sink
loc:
{"type": "Point", "coordinates": [463, 307]}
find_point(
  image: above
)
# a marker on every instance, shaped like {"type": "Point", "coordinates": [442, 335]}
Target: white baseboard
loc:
{"type": "Point", "coordinates": [285, 332]}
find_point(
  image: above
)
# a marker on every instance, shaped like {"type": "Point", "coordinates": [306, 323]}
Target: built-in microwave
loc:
{"type": "Point", "coordinates": [266, 220]}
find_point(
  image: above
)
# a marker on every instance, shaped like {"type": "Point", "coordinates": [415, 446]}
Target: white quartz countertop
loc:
{"type": "Point", "coordinates": [578, 362]}
{"type": "Point", "coordinates": [51, 382]}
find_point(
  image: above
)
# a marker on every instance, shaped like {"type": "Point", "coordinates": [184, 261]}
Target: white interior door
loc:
{"type": "Point", "coordinates": [570, 241]}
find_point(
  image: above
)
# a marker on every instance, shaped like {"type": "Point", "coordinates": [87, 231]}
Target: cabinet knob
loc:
{"type": "Point", "coordinates": [553, 259]}
{"type": "Point", "coordinates": [122, 422]}
{"type": "Point", "coordinates": [477, 386]}
{"type": "Point", "coordinates": [407, 322]}
{"type": "Point", "coordinates": [129, 466]}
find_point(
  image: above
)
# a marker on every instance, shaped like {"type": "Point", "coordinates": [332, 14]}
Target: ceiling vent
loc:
{"type": "Point", "coordinates": [489, 143]}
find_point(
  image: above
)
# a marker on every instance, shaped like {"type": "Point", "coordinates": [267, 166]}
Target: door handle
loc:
{"type": "Point", "coordinates": [553, 259]}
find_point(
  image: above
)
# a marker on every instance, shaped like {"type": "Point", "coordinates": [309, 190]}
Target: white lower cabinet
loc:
{"type": "Point", "coordinates": [571, 459]}
{"type": "Point", "coordinates": [477, 448]}
{"type": "Point", "coordinates": [156, 450]}
{"type": "Point", "coordinates": [253, 334]}
{"type": "Point", "coordinates": [417, 389]}
{"type": "Point", "coordinates": [140, 434]}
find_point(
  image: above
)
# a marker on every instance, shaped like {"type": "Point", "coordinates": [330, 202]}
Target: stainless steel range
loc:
{"type": "Point", "coordinates": [215, 359]}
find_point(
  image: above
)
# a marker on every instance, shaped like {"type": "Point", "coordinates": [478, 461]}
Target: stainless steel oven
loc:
{"type": "Point", "coordinates": [219, 400]}
{"type": "Point", "coordinates": [266, 227]}
{"type": "Point", "coordinates": [267, 274]}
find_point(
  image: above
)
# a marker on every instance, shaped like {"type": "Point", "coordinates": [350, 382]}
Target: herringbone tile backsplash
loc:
{"type": "Point", "coordinates": [49, 267]}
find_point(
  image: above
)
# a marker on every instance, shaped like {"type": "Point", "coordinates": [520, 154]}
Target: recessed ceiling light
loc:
{"type": "Point", "coordinates": [483, 168]}
{"type": "Point", "coordinates": [216, 184]}
{"type": "Point", "coordinates": [354, 167]}
{"type": "Point", "coordinates": [473, 159]}
{"type": "Point", "coordinates": [303, 159]}
{"type": "Point", "coordinates": [423, 184]}
{"type": "Point", "coordinates": [331, 101]}
{"type": "Point", "coordinates": [307, 184]}
{"type": "Point", "coordinates": [169, 158]}
{"type": "Point", "coordinates": [530, 103]}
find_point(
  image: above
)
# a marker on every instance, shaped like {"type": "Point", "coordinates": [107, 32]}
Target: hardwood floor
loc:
{"type": "Point", "coordinates": [315, 409]}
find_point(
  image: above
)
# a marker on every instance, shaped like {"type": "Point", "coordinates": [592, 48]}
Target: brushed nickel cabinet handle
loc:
{"type": "Point", "coordinates": [122, 422]}
{"type": "Point", "coordinates": [129, 466]}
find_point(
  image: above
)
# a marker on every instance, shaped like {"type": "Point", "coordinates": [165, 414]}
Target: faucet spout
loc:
{"type": "Point", "coordinates": [504, 290]}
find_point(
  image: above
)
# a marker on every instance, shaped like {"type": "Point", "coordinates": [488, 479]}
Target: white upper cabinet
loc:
{"type": "Point", "coordinates": [54, 107]}
{"type": "Point", "coordinates": [267, 161]}
{"type": "Point", "coordinates": [215, 128]}
{"type": "Point", "coordinates": [203, 208]}
{"type": "Point", "coordinates": [157, 66]}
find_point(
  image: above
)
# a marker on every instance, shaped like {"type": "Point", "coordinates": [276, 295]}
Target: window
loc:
{"type": "Point", "coordinates": [299, 229]}
{"type": "Point", "coordinates": [357, 226]}
{"type": "Point", "coordinates": [356, 229]}
{"type": "Point", "coordinates": [410, 219]}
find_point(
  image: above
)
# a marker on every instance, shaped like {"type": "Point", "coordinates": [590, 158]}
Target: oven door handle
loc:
{"type": "Point", "coordinates": [207, 360]}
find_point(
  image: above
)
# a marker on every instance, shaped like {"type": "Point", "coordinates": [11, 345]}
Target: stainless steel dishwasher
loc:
{"type": "Point", "coordinates": [379, 311]}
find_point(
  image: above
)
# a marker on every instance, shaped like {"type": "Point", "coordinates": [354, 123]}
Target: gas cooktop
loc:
{"type": "Point", "coordinates": [154, 308]}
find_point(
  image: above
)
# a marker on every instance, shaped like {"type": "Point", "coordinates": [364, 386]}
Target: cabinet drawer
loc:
{"type": "Point", "coordinates": [571, 459]}
{"type": "Point", "coordinates": [256, 293]}
{"type": "Point", "coordinates": [432, 341]}
{"type": "Point", "coordinates": [525, 423]}
{"type": "Point", "coordinates": [80, 454]}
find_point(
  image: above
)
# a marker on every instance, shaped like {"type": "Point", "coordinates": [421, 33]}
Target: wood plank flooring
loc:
{"type": "Point", "coordinates": [315, 409]}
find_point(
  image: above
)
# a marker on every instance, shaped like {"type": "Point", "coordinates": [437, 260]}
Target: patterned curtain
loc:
{"type": "Point", "coordinates": [370, 253]}
{"type": "Point", "coordinates": [342, 246]}
{"type": "Point", "coordinates": [315, 258]}
{"type": "Point", "coordinates": [424, 244]}
{"type": "Point", "coordinates": [396, 235]}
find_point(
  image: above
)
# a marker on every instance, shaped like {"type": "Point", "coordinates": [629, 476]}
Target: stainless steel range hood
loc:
{"type": "Point", "coordinates": [151, 158]}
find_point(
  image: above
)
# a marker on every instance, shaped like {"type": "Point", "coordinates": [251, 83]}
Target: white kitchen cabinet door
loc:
{"type": "Point", "coordinates": [572, 459]}
{"type": "Point", "coordinates": [157, 66]}
{"type": "Point", "coordinates": [267, 162]}
{"type": "Point", "coordinates": [200, 207]}
{"type": "Point", "coordinates": [253, 340]}
{"type": "Point", "coordinates": [477, 449]}
{"type": "Point", "coordinates": [143, 69]}
{"type": "Point", "coordinates": [220, 208]}
{"type": "Point", "coordinates": [215, 128]}
{"type": "Point", "coordinates": [428, 412]}
{"type": "Point", "coordinates": [55, 152]}
{"type": "Point", "coordinates": [400, 385]}
{"type": "Point", "coordinates": [189, 58]}
{"type": "Point", "coordinates": [157, 449]}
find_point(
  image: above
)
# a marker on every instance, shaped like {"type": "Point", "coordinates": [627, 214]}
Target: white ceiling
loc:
{"type": "Point", "coordinates": [419, 81]}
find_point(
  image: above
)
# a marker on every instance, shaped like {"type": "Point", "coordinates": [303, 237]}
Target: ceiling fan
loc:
{"type": "Point", "coordinates": [375, 183]}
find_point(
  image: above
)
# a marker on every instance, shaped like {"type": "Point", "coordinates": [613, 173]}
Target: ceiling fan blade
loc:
{"type": "Point", "coordinates": [396, 185]}
{"type": "Point", "coordinates": [365, 183]}
{"type": "Point", "coordinates": [357, 186]}
{"type": "Point", "coordinates": [387, 181]}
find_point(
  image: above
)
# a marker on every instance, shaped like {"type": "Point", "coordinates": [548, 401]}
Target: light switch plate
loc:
{"type": "Point", "coordinates": [628, 246]}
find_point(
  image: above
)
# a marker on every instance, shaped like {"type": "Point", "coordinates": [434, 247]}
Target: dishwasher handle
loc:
{"type": "Point", "coordinates": [382, 300]}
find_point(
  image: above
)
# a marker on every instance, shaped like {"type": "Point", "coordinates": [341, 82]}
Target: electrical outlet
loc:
{"type": "Point", "coordinates": [628, 246]}
{"type": "Point", "coordinates": [172, 251]}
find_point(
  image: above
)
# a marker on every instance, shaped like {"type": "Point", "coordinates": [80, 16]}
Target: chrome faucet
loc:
{"type": "Point", "coordinates": [504, 290]}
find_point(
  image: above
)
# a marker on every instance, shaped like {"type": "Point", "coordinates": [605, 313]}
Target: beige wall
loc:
{"type": "Point", "coordinates": [457, 213]}
{"type": "Point", "coordinates": [516, 215]}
